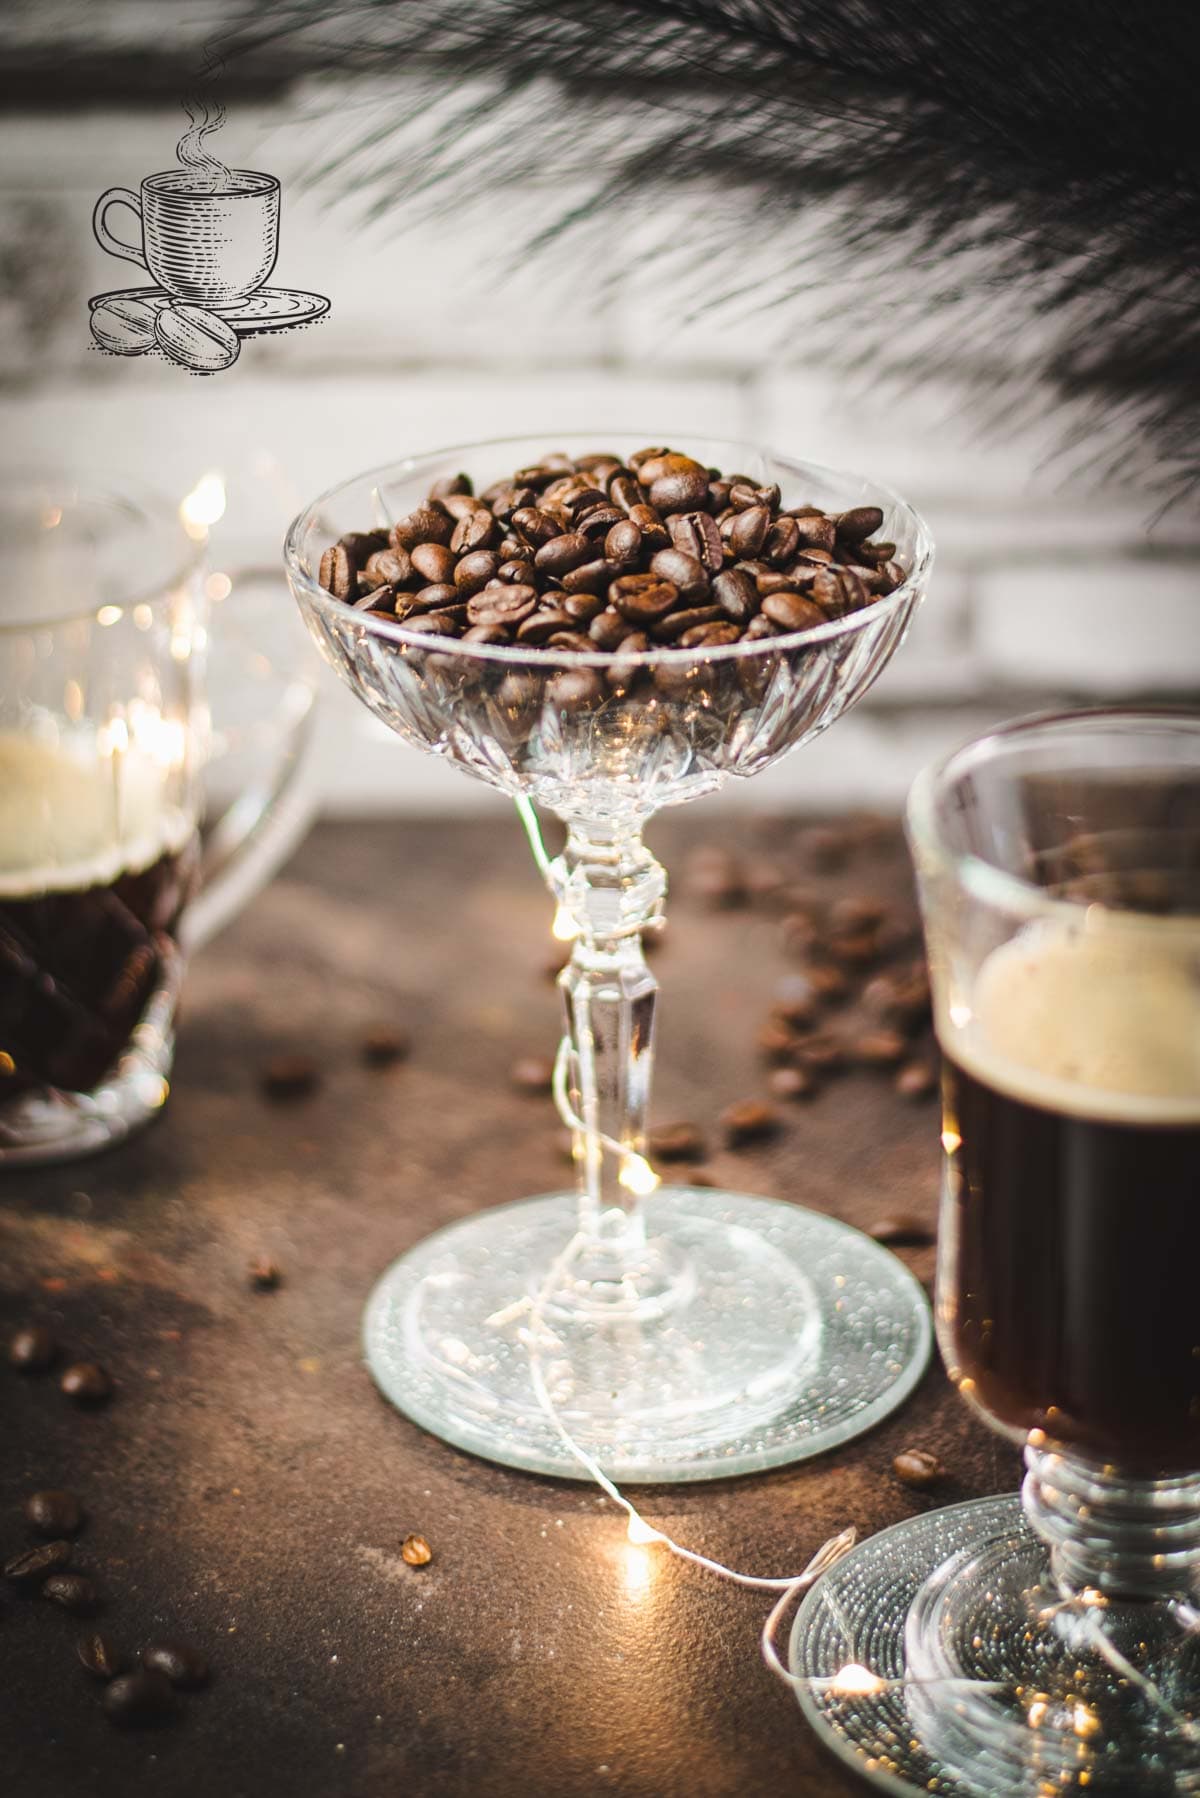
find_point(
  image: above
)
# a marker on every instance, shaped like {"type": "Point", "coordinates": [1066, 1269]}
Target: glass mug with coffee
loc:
{"type": "Point", "coordinates": [105, 879]}
{"type": "Point", "coordinates": [206, 240]}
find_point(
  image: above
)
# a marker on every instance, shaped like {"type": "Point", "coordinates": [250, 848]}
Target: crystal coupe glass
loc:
{"type": "Point", "coordinates": [699, 1333]}
{"type": "Point", "coordinates": [1051, 1644]}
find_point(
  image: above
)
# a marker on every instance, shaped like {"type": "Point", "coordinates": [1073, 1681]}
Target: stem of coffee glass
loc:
{"type": "Point", "coordinates": [114, 861]}
{"type": "Point", "coordinates": [1055, 1645]}
{"type": "Point", "coordinates": [681, 1333]}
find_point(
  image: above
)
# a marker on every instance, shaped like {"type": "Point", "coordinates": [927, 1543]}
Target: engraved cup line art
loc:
{"type": "Point", "coordinates": [208, 236]}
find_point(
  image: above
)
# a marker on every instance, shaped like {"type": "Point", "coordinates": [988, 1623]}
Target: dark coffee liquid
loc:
{"type": "Point", "coordinates": [1069, 1292]}
{"type": "Point", "coordinates": [77, 968]}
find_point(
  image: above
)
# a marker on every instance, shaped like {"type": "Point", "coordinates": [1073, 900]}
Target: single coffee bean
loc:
{"type": "Point", "coordinates": [415, 1551]}
{"type": "Point", "coordinates": [748, 530]}
{"type": "Point", "coordinates": [683, 488]}
{"type": "Point", "coordinates": [696, 534]}
{"type": "Point", "coordinates": [655, 535]}
{"type": "Point", "coordinates": [792, 612]}
{"type": "Point", "coordinates": [477, 530]}
{"type": "Point", "coordinates": [794, 1001]}
{"type": "Point", "coordinates": [33, 1565]}
{"type": "Point", "coordinates": [792, 1083]}
{"type": "Point", "coordinates": [591, 578]}
{"type": "Point", "coordinates": [857, 911]}
{"type": "Point", "coordinates": [427, 524]}
{"type": "Point", "coordinates": [182, 1664]}
{"type": "Point", "coordinates": [749, 1121]}
{"type": "Point", "coordinates": [626, 491]}
{"type": "Point", "coordinates": [776, 1042]}
{"type": "Point", "coordinates": [675, 1142]}
{"type": "Point", "coordinates": [545, 623]}
{"type": "Point", "coordinates": [100, 1655]}
{"type": "Point", "coordinates": [382, 601]}
{"type": "Point", "coordinates": [383, 1044]}
{"type": "Point", "coordinates": [566, 551]}
{"type": "Point", "coordinates": [574, 689]}
{"type": "Point", "coordinates": [457, 505]}
{"type": "Point", "coordinates": [87, 1383]}
{"type": "Point", "coordinates": [32, 1349]}
{"type": "Point", "coordinates": [502, 604]}
{"type": "Point", "coordinates": [597, 521]}
{"type": "Point", "coordinates": [360, 546]}
{"type": "Point", "coordinates": [54, 1513]}
{"type": "Point", "coordinates": [676, 624]}
{"type": "Point", "coordinates": [535, 526]}
{"type": "Point", "coordinates": [583, 607]}
{"type": "Point", "coordinates": [388, 568]}
{"type": "Point", "coordinates": [829, 984]}
{"type": "Point", "coordinates": [608, 628]}
{"type": "Point", "coordinates": [917, 1467]}
{"type": "Point", "coordinates": [572, 640]}
{"type": "Point", "coordinates": [853, 948]}
{"type": "Point", "coordinates": [477, 571]}
{"type": "Point", "coordinates": [532, 1074]}
{"type": "Point", "coordinates": [516, 572]}
{"type": "Point", "coordinates": [781, 542]}
{"type": "Point", "coordinates": [820, 1050]}
{"type": "Point", "coordinates": [899, 999]}
{"type": "Point", "coordinates": [642, 598]}
{"type": "Point", "coordinates": [916, 1080]}
{"type": "Point", "coordinates": [123, 325]}
{"type": "Point", "coordinates": [444, 622]}
{"type": "Point", "coordinates": [879, 1048]}
{"type": "Point", "coordinates": [436, 597]}
{"type": "Point", "coordinates": [452, 484]}
{"type": "Point", "coordinates": [901, 1231]}
{"type": "Point", "coordinates": [623, 542]}
{"type": "Point", "coordinates": [72, 1591]}
{"type": "Point", "coordinates": [264, 1275]}
{"type": "Point", "coordinates": [434, 562]}
{"type": "Point", "coordinates": [487, 633]}
{"type": "Point", "coordinates": [197, 338]}
{"type": "Point", "coordinates": [289, 1076]}
{"type": "Point", "coordinates": [858, 522]}
{"type": "Point", "coordinates": [734, 591]}
{"type": "Point", "coordinates": [686, 572]}
{"type": "Point", "coordinates": [815, 531]}
{"type": "Point", "coordinates": [336, 573]}
{"type": "Point", "coordinates": [134, 1699]}
{"type": "Point", "coordinates": [709, 635]}
{"type": "Point", "coordinates": [644, 458]}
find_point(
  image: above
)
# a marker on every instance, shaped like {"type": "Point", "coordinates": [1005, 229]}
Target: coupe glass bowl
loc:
{"type": "Point", "coordinates": [699, 1333]}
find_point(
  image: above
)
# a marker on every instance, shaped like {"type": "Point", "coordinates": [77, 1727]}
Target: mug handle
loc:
{"type": "Point", "coordinates": [117, 196]}
{"type": "Point", "coordinates": [259, 827]}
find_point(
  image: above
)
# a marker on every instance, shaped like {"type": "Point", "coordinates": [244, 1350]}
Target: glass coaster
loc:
{"type": "Point", "coordinates": [789, 1334]}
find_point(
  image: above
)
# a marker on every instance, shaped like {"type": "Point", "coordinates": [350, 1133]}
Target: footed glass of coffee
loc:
{"type": "Point", "coordinates": [1053, 1643]}
{"type": "Point", "coordinates": [675, 1333]}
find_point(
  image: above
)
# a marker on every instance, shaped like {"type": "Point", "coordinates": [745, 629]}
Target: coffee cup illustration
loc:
{"type": "Point", "coordinates": [209, 237]}
{"type": "Point", "coordinates": [210, 246]}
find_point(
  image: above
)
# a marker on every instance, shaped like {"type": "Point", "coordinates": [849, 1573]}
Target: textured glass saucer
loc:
{"type": "Point", "coordinates": [788, 1334]}
{"type": "Point", "coordinates": [1000, 1690]}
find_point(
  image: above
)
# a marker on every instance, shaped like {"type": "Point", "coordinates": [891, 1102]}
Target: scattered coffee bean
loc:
{"type": "Point", "coordinates": [917, 1080]}
{"type": "Point", "coordinates": [289, 1077]}
{"type": "Point", "coordinates": [382, 1046]}
{"type": "Point", "coordinates": [87, 1383]}
{"type": "Point", "coordinates": [416, 1551]}
{"type": "Point", "coordinates": [100, 1655]}
{"type": "Point", "coordinates": [54, 1513]}
{"type": "Point", "coordinates": [879, 1048]}
{"type": "Point", "coordinates": [917, 1467]}
{"type": "Point", "coordinates": [264, 1274]}
{"type": "Point", "coordinates": [32, 1565]}
{"type": "Point", "coordinates": [900, 999]}
{"type": "Point", "coordinates": [675, 1142]}
{"type": "Point", "coordinates": [857, 912]}
{"type": "Point", "coordinates": [32, 1349]}
{"type": "Point", "coordinates": [820, 1051]}
{"type": "Point", "coordinates": [134, 1699]}
{"type": "Point", "coordinates": [792, 1083]}
{"type": "Point", "coordinates": [829, 984]}
{"type": "Point", "coordinates": [749, 1121]}
{"type": "Point", "coordinates": [72, 1591]}
{"type": "Point", "coordinates": [532, 1073]}
{"type": "Point", "coordinates": [901, 1231]}
{"type": "Point", "coordinates": [182, 1664]}
{"type": "Point", "coordinates": [776, 1042]}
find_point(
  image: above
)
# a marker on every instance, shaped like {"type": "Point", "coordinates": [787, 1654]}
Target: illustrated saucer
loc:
{"type": "Point", "coordinates": [270, 309]}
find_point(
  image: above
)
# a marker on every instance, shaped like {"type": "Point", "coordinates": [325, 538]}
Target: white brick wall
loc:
{"type": "Point", "coordinates": [1042, 591]}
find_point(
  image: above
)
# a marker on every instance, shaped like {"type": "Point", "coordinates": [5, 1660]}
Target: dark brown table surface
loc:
{"type": "Point", "coordinates": [248, 1487]}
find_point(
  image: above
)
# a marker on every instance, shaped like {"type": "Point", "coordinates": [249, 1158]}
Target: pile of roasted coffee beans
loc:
{"type": "Point", "coordinates": [594, 554]}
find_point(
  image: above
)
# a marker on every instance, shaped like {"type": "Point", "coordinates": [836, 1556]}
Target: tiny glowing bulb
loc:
{"type": "Point", "coordinates": [637, 1176]}
{"type": "Point", "coordinates": [564, 927]}
{"type": "Point", "coordinates": [640, 1532]}
{"type": "Point", "coordinates": [203, 505]}
{"type": "Point", "coordinates": [855, 1681]}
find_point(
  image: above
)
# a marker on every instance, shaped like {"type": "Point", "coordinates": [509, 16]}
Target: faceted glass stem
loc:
{"type": "Point", "coordinates": [609, 889]}
{"type": "Point", "coordinates": [1131, 1538]}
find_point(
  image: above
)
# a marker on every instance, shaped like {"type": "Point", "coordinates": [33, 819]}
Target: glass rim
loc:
{"type": "Point", "coordinates": [515, 655]}
{"type": "Point", "coordinates": [141, 503]}
{"type": "Point", "coordinates": [997, 887]}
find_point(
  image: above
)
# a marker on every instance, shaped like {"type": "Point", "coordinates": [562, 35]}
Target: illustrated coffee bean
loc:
{"type": "Point", "coordinates": [100, 1655]}
{"type": "Point", "coordinates": [32, 1349]}
{"type": "Point", "coordinates": [133, 1700]}
{"type": "Point", "coordinates": [124, 326]}
{"type": "Point", "coordinates": [179, 1662]}
{"type": "Point", "coordinates": [54, 1513]}
{"type": "Point", "coordinates": [71, 1592]}
{"type": "Point", "coordinates": [656, 545]}
{"type": "Point", "coordinates": [87, 1383]}
{"type": "Point", "coordinates": [33, 1565]}
{"type": "Point", "coordinates": [917, 1467]}
{"type": "Point", "coordinates": [198, 339]}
